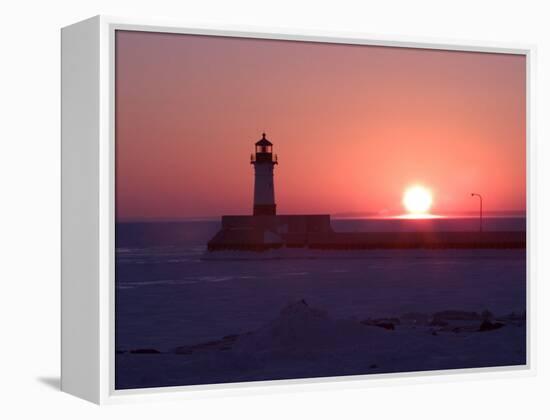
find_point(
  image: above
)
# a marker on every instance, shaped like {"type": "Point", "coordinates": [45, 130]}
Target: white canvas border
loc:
{"type": "Point", "coordinates": [107, 393]}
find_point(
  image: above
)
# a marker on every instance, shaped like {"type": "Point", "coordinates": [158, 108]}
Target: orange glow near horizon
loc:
{"type": "Point", "coordinates": [352, 126]}
{"type": "Point", "coordinates": [419, 216]}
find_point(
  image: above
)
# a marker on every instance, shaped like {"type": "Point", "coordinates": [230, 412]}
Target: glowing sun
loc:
{"type": "Point", "coordinates": [417, 200]}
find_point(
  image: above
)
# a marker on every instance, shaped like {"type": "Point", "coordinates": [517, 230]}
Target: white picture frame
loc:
{"type": "Point", "coordinates": [88, 210]}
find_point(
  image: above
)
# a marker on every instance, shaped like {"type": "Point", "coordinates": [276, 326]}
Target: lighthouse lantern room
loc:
{"type": "Point", "coordinates": [264, 192]}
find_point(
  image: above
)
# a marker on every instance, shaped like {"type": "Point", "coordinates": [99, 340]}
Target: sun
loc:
{"type": "Point", "coordinates": [417, 199]}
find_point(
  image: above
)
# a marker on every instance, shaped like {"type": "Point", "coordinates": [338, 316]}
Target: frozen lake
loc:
{"type": "Point", "coordinates": [170, 293]}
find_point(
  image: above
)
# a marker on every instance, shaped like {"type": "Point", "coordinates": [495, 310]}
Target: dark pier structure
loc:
{"type": "Point", "coordinates": [266, 230]}
{"type": "Point", "coordinates": [260, 233]}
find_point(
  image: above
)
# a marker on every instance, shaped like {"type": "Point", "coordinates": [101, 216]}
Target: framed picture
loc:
{"type": "Point", "coordinates": [243, 209]}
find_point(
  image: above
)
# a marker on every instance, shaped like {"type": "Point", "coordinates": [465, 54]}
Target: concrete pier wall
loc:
{"type": "Point", "coordinates": [260, 233]}
{"type": "Point", "coordinates": [280, 224]}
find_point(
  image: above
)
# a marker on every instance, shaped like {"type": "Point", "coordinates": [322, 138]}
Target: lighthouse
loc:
{"type": "Point", "coordinates": [264, 191]}
{"type": "Point", "coordinates": [264, 229]}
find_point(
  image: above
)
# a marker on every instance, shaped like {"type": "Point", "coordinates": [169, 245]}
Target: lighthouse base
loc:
{"type": "Point", "coordinates": [262, 232]}
{"type": "Point", "coordinates": [264, 210]}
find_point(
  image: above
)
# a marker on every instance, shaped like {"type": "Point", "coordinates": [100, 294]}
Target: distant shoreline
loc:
{"type": "Point", "coordinates": [346, 216]}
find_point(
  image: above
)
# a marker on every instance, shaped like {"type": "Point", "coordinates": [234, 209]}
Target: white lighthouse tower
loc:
{"type": "Point", "coordinates": [264, 190]}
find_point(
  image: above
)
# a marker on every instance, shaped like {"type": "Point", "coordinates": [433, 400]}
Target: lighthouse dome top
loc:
{"type": "Point", "coordinates": [263, 141]}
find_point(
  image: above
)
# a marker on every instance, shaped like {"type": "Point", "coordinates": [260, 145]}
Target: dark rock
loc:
{"type": "Point", "coordinates": [386, 325]}
{"type": "Point", "coordinates": [489, 326]}
{"type": "Point", "coordinates": [145, 351]}
{"type": "Point", "coordinates": [438, 323]}
{"type": "Point", "coordinates": [380, 324]}
{"type": "Point", "coordinates": [442, 318]}
{"type": "Point", "coordinates": [454, 315]}
{"type": "Point", "coordinates": [416, 318]}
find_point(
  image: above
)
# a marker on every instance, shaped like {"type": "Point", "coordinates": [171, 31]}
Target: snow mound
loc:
{"type": "Point", "coordinates": [301, 327]}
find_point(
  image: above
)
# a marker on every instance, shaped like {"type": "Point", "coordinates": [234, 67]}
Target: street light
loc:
{"type": "Point", "coordinates": [480, 211]}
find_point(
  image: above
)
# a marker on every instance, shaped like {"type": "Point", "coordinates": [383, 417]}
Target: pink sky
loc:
{"type": "Point", "coordinates": [353, 126]}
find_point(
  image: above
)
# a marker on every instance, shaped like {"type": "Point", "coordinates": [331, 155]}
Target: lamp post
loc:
{"type": "Point", "coordinates": [480, 211]}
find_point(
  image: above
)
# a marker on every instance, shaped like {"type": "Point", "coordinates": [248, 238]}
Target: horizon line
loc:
{"type": "Point", "coordinates": [337, 215]}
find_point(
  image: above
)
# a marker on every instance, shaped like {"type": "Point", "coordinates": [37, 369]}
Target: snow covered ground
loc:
{"type": "Point", "coordinates": [197, 318]}
{"type": "Point", "coordinates": [306, 342]}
